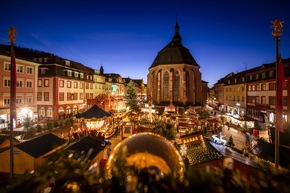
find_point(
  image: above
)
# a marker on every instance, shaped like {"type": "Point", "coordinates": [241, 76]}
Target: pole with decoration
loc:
{"type": "Point", "coordinates": [13, 81]}
{"type": "Point", "coordinates": [277, 26]}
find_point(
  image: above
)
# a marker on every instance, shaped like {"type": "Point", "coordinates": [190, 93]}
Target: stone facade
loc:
{"type": "Point", "coordinates": [174, 76]}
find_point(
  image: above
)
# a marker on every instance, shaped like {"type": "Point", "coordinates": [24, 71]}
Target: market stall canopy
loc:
{"type": "Point", "coordinates": [94, 112]}
{"type": "Point", "coordinates": [170, 108]}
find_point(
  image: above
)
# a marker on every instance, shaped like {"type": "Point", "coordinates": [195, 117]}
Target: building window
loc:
{"type": "Point", "coordinates": [272, 86]}
{"type": "Point", "coordinates": [87, 85]}
{"type": "Point", "coordinates": [284, 101]}
{"type": "Point", "coordinates": [81, 85]}
{"type": "Point", "coordinates": [61, 83]}
{"type": "Point", "coordinates": [7, 82]}
{"type": "Point", "coordinates": [257, 100]}
{"type": "Point", "coordinates": [263, 87]}
{"type": "Point", "coordinates": [29, 70]}
{"type": "Point", "coordinates": [46, 96]}
{"type": "Point", "coordinates": [19, 68]}
{"type": "Point", "coordinates": [251, 77]}
{"type": "Point", "coordinates": [68, 96]}
{"type": "Point", "coordinates": [69, 73]}
{"type": "Point", "coordinates": [243, 99]}
{"type": "Point", "coordinates": [19, 84]}
{"type": "Point", "coordinates": [76, 74]}
{"type": "Point", "coordinates": [257, 76]}
{"type": "Point", "coordinates": [250, 88]}
{"type": "Point", "coordinates": [285, 85]}
{"type": "Point", "coordinates": [176, 83]}
{"type": "Point", "coordinates": [166, 86]}
{"type": "Point", "coordinates": [271, 73]}
{"type": "Point", "coordinates": [272, 100]}
{"type": "Point", "coordinates": [263, 100]}
{"type": "Point", "coordinates": [243, 79]}
{"type": "Point", "coordinates": [75, 84]}
{"type": "Point", "coordinates": [264, 75]}
{"type": "Point", "coordinates": [46, 83]}
{"type": "Point", "coordinates": [29, 99]}
{"type": "Point", "coordinates": [6, 101]}
{"type": "Point", "coordinates": [49, 112]}
{"type": "Point", "coordinates": [75, 96]}
{"type": "Point", "coordinates": [18, 99]}
{"type": "Point", "coordinates": [39, 96]}
{"type": "Point", "coordinates": [258, 87]}
{"type": "Point", "coordinates": [29, 84]}
{"type": "Point", "coordinates": [7, 66]}
{"type": "Point", "coordinates": [81, 96]}
{"type": "Point", "coordinates": [39, 83]}
{"type": "Point", "coordinates": [81, 75]}
{"type": "Point", "coordinates": [61, 96]}
{"type": "Point", "coordinates": [42, 71]}
{"type": "Point", "coordinates": [91, 86]}
{"type": "Point", "coordinates": [68, 84]}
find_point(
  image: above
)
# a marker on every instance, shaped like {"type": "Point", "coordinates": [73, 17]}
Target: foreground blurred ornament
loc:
{"type": "Point", "coordinates": [147, 152]}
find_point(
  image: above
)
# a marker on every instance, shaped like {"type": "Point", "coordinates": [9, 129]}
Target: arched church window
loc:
{"type": "Point", "coordinates": [166, 86]}
{"type": "Point", "coordinates": [176, 84]}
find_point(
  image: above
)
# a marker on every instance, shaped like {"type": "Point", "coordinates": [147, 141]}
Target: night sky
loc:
{"type": "Point", "coordinates": [125, 36]}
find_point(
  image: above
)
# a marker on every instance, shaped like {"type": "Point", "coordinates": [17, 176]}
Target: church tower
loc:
{"type": "Point", "coordinates": [174, 75]}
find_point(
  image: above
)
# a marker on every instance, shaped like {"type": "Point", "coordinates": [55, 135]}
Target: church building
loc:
{"type": "Point", "coordinates": [174, 76]}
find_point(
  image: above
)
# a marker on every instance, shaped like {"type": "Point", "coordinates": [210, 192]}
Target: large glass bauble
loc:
{"type": "Point", "coordinates": [147, 151]}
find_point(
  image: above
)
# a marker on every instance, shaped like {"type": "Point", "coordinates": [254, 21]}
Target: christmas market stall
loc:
{"type": "Point", "coordinates": [94, 121]}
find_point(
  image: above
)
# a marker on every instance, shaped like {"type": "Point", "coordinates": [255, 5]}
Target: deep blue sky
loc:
{"type": "Point", "coordinates": [125, 36]}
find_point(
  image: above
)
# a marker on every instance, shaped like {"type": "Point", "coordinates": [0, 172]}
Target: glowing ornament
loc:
{"type": "Point", "coordinates": [146, 152]}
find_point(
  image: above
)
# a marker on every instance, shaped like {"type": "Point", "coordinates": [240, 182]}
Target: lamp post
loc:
{"type": "Point", "coordinates": [277, 32]}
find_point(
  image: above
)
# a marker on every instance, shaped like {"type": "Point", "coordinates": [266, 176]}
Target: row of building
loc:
{"type": "Point", "coordinates": [250, 95]}
{"type": "Point", "coordinates": [50, 87]}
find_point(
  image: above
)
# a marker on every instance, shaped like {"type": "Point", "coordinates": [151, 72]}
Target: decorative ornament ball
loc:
{"type": "Point", "coordinates": [146, 152]}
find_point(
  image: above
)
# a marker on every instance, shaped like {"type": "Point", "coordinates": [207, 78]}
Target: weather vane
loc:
{"type": "Point", "coordinates": [278, 28]}
{"type": "Point", "coordinates": [11, 33]}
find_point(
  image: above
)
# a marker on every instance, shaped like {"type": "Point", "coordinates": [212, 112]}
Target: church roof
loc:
{"type": "Point", "coordinates": [174, 52]}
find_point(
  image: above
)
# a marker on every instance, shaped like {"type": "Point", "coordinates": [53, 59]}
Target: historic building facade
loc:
{"type": "Point", "coordinates": [26, 91]}
{"type": "Point", "coordinates": [174, 76]}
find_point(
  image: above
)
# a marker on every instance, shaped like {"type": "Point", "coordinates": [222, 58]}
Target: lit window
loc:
{"type": "Point", "coordinates": [29, 70]}
{"type": "Point", "coordinates": [19, 68]}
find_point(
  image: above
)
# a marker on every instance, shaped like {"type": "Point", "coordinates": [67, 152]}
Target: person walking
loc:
{"type": "Point", "coordinates": [247, 139]}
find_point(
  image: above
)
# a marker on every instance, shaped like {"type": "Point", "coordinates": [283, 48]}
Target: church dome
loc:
{"type": "Point", "coordinates": [174, 52]}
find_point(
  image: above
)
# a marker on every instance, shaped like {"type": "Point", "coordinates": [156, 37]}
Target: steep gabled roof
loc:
{"type": "Point", "coordinates": [41, 145]}
{"type": "Point", "coordinates": [174, 53]}
{"type": "Point", "coordinates": [266, 151]}
{"type": "Point", "coordinates": [94, 112]}
{"type": "Point", "coordinates": [89, 146]}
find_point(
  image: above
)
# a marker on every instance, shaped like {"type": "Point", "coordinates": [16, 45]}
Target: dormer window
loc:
{"type": "Point", "coordinates": [69, 73]}
{"type": "Point", "coordinates": [81, 75]}
{"type": "Point", "coordinates": [76, 74]}
{"type": "Point", "coordinates": [271, 73]}
{"type": "Point", "coordinates": [67, 62]}
{"type": "Point", "coordinates": [43, 70]}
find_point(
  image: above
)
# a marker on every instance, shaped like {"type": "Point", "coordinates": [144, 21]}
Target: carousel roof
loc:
{"type": "Point", "coordinates": [94, 112]}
